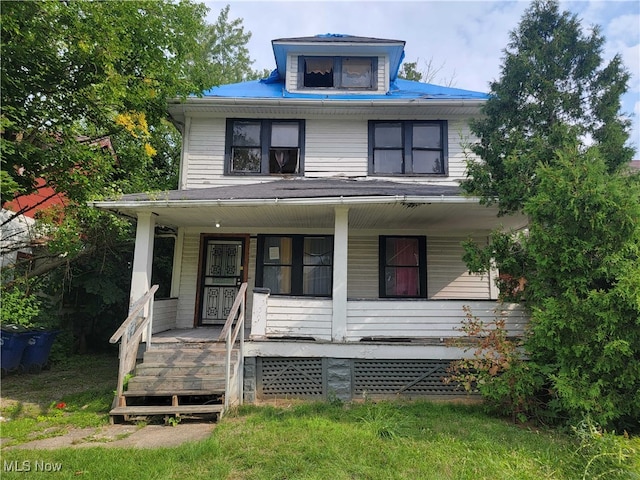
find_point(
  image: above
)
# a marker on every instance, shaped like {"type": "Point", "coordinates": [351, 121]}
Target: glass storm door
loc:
{"type": "Point", "coordinates": [222, 277]}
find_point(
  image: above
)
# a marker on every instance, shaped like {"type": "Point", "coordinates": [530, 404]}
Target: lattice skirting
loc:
{"type": "Point", "coordinates": [348, 378]}
{"type": "Point", "coordinates": [291, 377]}
{"type": "Point", "coordinates": [401, 377]}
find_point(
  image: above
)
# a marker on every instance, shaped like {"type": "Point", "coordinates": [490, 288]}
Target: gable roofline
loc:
{"type": "Point", "coordinates": [338, 38]}
{"type": "Point", "coordinates": [348, 44]}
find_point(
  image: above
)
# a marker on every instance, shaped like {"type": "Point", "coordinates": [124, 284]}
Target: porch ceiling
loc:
{"type": "Point", "coordinates": [306, 203]}
{"type": "Point", "coordinates": [452, 218]}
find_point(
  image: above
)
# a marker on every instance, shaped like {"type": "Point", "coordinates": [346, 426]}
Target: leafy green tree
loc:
{"type": "Point", "coordinates": [554, 82]}
{"type": "Point", "coordinates": [552, 146]}
{"type": "Point", "coordinates": [76, 73]}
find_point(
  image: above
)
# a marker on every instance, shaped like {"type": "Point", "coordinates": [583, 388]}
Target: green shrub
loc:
{"type": "Point", "coordinates": [507, 382]}
{"type": "Point", "coordinates": [18, 307]}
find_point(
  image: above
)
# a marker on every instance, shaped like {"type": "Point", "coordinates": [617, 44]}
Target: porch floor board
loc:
{"type": "Point", "coordinates": [188, 335]}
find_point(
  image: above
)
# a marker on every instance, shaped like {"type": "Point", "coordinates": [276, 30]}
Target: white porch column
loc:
{"type": "Point", "coordinates": [340, 256]}
{"type": "Point", "coordinates": [142, 257]}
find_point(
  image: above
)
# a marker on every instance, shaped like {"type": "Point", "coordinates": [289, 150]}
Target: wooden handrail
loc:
{"type": "Point", "coordinates": [230, 336]}
{"type": "Point", "coordinates": [129, 335]}
{"type": "Point", "coordinates": [136, 308]}
{"type": "Point", "coordinates": [234, 310]}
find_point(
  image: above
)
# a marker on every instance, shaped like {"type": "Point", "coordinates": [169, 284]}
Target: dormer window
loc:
{"type": "Point", "coordinates": [346, 73]}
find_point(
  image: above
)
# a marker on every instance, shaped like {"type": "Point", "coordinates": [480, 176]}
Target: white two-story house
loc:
{"type": "Point", "coordinates": [331, 189]}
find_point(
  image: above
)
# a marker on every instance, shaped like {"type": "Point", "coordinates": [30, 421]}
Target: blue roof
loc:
{"type": "Point", "coordinates": [273, 87]}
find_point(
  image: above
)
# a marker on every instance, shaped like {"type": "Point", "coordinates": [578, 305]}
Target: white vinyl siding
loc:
{"type": "Point", "coordinates": [299, 317]}
{"type": "Point", "coordinates": [363, 267]}
{"type": "Point", "coordinates": [335, 148]}
{"type": "Point", "coordinates": [448, 276]}
{"type": "Point", "coordinates": [188, 281]}
{"type": "Point", "coordinates": [424, 318]}
{"type": "Point", "coordinates": [164, 314]}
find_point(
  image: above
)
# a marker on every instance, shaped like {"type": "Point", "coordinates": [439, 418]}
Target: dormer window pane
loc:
{"type": "Point", "coordinates": [388, 161]}
{"type": "Point", "coordinates": [337, 73]}
{"type": "Point", "coordinates": [318, 72]}
{"type": "Point", "coordinates": [245, 160]}
{"type": "Point", "coordinates": [427, 161]}
{"type": "Point", "coordinates": [356, 72]}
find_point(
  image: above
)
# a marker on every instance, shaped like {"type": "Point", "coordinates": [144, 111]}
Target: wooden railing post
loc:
{"type": "Point", "coordinates": [229, 335]}
{"type": "Point", "coordinates": [129, 335]}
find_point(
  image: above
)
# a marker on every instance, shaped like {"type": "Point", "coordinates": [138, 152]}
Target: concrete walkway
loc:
{"type": "Point", "coordinates": [123, 436]}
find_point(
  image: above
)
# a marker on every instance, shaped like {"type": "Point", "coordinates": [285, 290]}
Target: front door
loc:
{"type": "Point", "coordinates": [222, 275]}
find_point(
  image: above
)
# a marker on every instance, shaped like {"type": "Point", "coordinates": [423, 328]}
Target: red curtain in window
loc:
{"type": "Point", "coordinates": [406, 261]}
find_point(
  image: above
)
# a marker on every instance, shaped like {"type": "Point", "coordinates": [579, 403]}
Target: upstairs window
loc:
{"type": "Point", "coordinates": [264, 146]}
{"type": "Point", "coordinates": [408, 147]}
{"type": "Point", "coordinates": [346, 73]}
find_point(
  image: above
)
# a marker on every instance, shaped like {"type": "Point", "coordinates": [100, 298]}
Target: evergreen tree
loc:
{"type": "Point", "coordinates": [552, 146]}
{"type": "Point", "coordinates": [554, 84]}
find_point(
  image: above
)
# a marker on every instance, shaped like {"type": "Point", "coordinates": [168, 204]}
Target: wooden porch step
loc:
{"type": "Point", "coordinates": [141, 410]}
{"type": "Point", "coordinates": [183, 368]}
{"type": "Point", "coordinates": [176, 384]}
{"type": "Point", "coordinates": [170, 393]}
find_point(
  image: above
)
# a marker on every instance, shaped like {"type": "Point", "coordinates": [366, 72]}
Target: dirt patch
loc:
{"type": "Point", "coordinates": [124, 436]}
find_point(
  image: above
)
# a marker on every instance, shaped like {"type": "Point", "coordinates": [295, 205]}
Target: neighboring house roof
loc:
{"type": "Point", "coordinates": [301, 188]}
{"type": "Point", "coordinates": [400, 90]}
{"type": "Point", "coordinates": [635, 164]}
{"type": "Point", "coordinates": [43, 198]}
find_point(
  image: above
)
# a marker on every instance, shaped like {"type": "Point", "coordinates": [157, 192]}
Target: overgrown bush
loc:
{"type": "Point", "coordinates": [497, 370]}
{"type": "Point", "coordinates": [19, 306]}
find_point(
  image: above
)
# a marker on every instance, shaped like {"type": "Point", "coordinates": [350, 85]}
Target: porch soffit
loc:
{"type": "Point", "coordinates": [310, 204]}
{"type": "Point", "coordinates": [447, 110]}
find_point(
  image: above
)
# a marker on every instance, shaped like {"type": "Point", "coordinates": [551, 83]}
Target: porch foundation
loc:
{"type": "Point", "coordinates": [346, 379]}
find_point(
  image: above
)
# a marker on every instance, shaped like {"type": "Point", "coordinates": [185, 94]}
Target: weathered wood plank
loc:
{"type": "Point", "coordinates": [166, 409]}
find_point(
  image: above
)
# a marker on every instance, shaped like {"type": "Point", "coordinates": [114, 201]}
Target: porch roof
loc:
{"type": "Point", "coordinates": [310, 203]}
{"type": "Point", "coordinates": [301, 188]}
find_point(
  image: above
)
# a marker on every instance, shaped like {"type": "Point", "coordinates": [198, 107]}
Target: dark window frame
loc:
{"type": "Point", "coordinates": [407, 147]}
{"type": "Point", "coordinates": [422, 265]}
{"type": "Point", "coordinates": [337, 73]}
{"type": "Point", "coordinates": [297, 263]}
{"type": "Point", "coordinates": [265, 146]}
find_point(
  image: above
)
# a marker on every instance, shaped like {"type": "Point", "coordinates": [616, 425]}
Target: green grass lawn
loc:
{"type": "Point", "coordinates": [383, 440]}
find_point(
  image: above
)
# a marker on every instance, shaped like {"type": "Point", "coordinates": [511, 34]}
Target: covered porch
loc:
{"type": "Point", "coordinates": [354, 214]}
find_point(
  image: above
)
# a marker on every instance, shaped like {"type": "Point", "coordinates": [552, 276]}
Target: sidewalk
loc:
{"type": "Point", "coordinates": [124, 436]}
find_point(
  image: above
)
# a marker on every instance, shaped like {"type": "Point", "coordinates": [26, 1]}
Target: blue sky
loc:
{"type": "Point", "coordinates": [463, 39]}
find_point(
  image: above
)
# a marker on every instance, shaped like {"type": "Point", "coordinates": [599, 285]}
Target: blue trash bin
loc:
{"type": "Point", "coordinates": [36, 354]}
{"type": "Point", "coordinates": [13, 341]}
